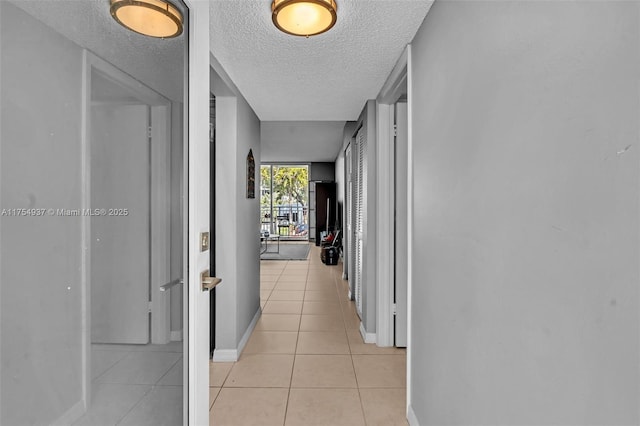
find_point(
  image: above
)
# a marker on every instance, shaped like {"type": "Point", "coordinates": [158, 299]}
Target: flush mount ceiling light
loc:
{"type": "Point", "coordinates": [154, 18]}
{"type": "Point", "coordinates": [304, 17]}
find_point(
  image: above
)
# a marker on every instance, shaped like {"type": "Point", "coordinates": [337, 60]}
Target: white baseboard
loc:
{"type": "Point", "coordinates": [247, 333]}
{"type": "Point", "coordinates": [367, 337]}
{"type": "Point", "coordinates": [411, 417]}
{"type": "Point", "coordinates": [232, 355]}
{"type": "Point", "coordinates": [176, 336]}
{"type": "Point", "coordinates": [225, 355]}
{"type": "Point", "coordinates": [72, 414]}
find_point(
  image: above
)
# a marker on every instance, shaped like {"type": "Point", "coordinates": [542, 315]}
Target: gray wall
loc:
{"type": "Point", "coordinates": [525, 266]}
{"type": "Point", "coordinates": [248, 214]}
{"type": "Point", "coordinates": [325, 172]}
{"type": "Point", "coordinates": [40, 334]}
{"type": "Point", "coordinates": [237, 217]}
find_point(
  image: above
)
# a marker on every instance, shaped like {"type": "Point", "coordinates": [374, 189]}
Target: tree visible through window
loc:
{"type": "Point", "coordinates": [284, 200]}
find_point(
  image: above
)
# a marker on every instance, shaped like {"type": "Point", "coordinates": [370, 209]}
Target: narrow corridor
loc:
{"type": "Point", "coordinates": [306, 362]}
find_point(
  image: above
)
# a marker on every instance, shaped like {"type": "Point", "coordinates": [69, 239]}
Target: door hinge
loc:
{"type": "Point", "coordinates": [395, 130]}
{"type": "Point", "coordinates": [149, 132]}
{"type": "Point", "coordinates": [393, 309]}
{"type": "Point", "coordinates": [150, 306]}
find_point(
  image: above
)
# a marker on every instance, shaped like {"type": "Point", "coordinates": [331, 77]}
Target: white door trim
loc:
{"type": "Point", "coordinates": [197, 182]}
{"type": "Point", "coordinates": [409, 227]}
{"type": "Point", "coordinates": [384, 263]}
{"type": "Point", "coordinates": [393, 88]}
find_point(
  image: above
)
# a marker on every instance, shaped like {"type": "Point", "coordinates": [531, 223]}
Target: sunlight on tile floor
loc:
{"type": "Point", "coordinates": [305, 363]}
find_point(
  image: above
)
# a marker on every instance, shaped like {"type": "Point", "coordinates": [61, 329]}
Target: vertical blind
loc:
{"type": "Point", "coordinates": [360, 203]}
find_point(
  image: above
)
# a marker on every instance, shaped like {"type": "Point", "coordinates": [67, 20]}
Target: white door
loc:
{"type": "Point", "coordinates": [360, 190]}
{"type": "Point", "coordinates": [401, 212]}
{"type": "Point", "coordinates": [198, 215]}
{"type": "Point", "coordinates": [348, 237]}
{"type": "Point", "coordinates": [120, 221]}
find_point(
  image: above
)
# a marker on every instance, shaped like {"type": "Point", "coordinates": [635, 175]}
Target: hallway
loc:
{"type": "Point", "coordinates": [306, 363]}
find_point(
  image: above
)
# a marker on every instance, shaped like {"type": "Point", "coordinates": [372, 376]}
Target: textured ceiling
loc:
{"type": "Point", "coordinates": [290, 141]}
{"type": "Point", "coordinates": [319, 82]}
{"type": "Point", "coordinates": [327, 77]}
{"type": "Point", "coordinates": [157, 63]}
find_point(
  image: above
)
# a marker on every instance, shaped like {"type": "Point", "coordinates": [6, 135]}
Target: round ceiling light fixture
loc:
{"type": "Point", "coordinates": [304, 17]}
{"type": "Point", "coordinates": [154, 18]}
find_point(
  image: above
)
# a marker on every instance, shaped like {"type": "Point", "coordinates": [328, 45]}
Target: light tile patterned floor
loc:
{"type": "Point", "coordinates": [135, 385]}
{"type": "Point", "coordinates": [306, 363]}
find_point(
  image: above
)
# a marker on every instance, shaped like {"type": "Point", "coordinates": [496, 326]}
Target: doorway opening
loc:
{"type": "Point", "coordinates": [133, 238]}
{"type": "Point", "coordinates": [284, 202]}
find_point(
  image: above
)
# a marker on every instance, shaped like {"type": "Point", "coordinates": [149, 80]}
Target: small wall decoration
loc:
{"type": "Point", "coordinates": [251, 175]}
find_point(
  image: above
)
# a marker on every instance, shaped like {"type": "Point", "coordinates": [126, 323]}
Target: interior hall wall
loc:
{"type": "Point", "coordinates": [526, 191]}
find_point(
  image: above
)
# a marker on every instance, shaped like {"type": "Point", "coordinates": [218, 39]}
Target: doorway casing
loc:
{"type": "Point", "coordinates": [159, 194]}
{"type": "Point", "coordinates": [397, 85]}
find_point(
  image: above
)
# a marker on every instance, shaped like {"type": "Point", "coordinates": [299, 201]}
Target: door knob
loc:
{"type": "Point", "coordinates": [207, 281]}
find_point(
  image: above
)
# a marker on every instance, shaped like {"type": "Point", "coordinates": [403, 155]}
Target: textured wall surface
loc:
{"type": "Point", "coordinates": [40, 160]}
{"type": "Point", "coordinates": [526, 176]}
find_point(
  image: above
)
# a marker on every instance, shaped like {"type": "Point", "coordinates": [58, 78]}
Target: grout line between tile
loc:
{"type": "Point", "coordinates": [119, 421]}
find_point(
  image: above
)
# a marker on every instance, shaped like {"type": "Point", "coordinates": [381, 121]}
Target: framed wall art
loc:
{"type": "Point", "coordinates": [251, 175]}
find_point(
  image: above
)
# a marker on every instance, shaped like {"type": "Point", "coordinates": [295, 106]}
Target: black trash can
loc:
{"type": "Point", "coordinates": [329, 255]}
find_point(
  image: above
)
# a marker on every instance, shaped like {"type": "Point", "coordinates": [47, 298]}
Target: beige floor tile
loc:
{"type": "Point", "coordinates": [319, 296]}
{"type": "Point", "coordinates": [317, 263]}
{"type": "Point", "coordinates": [264, 294]}
{"type": "Point", "coordinates": [316, 286]}
{"type": "Point", "coordinates": [343, 295]}
{"type": "Point", "coordinates": [296, 265]}
{"type": "Point", "coordinates": [213, 393]}
{"type": "Point", "coordinates": [343, 287]}
{"type": "Point", "coordinates": [322, 342]}
{"type": "Point", "coordinates": [319, 308]}
{"type": "Point", "coordinates": [272, 342]}
{"type": "Point", "coordinates": [384, 407]}
{"type": "Point", "coordinates": [323, 371]}
{"type": "Point", "coordinates": [249, 407]}
{"type": "Point", "coordinates": [349, 307]}
{"type": "Point", "coordinates": [290, 286]}
{"type": "Point", "coordinates": [320, 276]}
{"type": "Point", "coordinates": [351, 321]}
{"type": "Point", "coordinates": [297, 277]}
{"type": "Point", "coordinates": [282, 307]}
{"type": "Point", "coordinates": [324, 407]}
{"type": "Point", "coordinates": [320, 272]}
{"type": "Point", "coordinates": [296, 270]}
{"type": "Point", "coordinates": [218, 372]}
{"type": "Point", "coordinates": [358, 347]}
{"type": "Point", "coordinates": [261, 371]}
{"type": "Point", "coordinates": [269, 276]}
{"type": "Point", "coordinates": [278, 322]}
{"type": "Point", "coordinates": [381, 371]}
{"type": "Point", "coordinates": [287, 295]}
{"type": "Point", "coordinates": [272, 266]}
{"type": "Point", "coordinates": [267, 285]}
{"type": "Point", "coordinates": [322, 323]}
